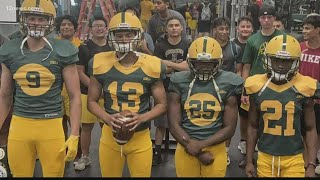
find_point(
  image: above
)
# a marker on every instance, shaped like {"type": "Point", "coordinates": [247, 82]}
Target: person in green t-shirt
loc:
{"type": "Point", "coordinates": [254, 52]}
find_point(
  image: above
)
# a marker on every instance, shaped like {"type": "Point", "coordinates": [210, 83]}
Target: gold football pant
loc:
{"type": "Point", "coordinates": [280, 166]}
{"type": "Point", "coordinates": [31, 137]}
{"type": "Point", "coordinates": [190, 166]}
{"type": "Point", "coordinates": [137, 152]}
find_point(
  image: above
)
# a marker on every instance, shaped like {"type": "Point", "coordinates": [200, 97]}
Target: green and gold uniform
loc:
{"type": "Point", "coordinates": [202, 117]}
{"type": "Point", "coordinates": [36, 125]}
{"type": "Point", "coordinates": [126, 89]}
{"type": "Point", "coordinates": [279, 131]}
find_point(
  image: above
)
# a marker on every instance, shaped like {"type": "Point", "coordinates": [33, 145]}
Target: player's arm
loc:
{"type": "Point", "coordinates": [245, 71]}
{"type": "Point", "coordinates": [230, 117]}
{"type": "Point", "coordinates": [239, 68]}
{"type": "Point", "coordinates": [245, 74]}
{"type": "Point", "coordinates": [171, 66]}
{"type": "Point", "coordinates": [93, 97]}
{"type": "Point", "coordinates": [160, 102]}
{"type": "Point", "coordinates": [6, 93]}
{"type": "Point", "coordinates": [174, 118]}
{"type": "Point", "coordinates": [252, 137]}
{"type": "Point", "coordinates": [71, 78]}
{"type": "Point", "coordinates": [94, 92]}
{"type": "Point", "coordinates": [160, 106]}
{"type": "Point", "coordinates": [311, 136]}
{"type": "Point", "coordinates": [84, 79]}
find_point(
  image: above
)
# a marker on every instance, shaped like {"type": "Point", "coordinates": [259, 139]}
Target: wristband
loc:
{"type": "Point", "coordinates": [311, 164]}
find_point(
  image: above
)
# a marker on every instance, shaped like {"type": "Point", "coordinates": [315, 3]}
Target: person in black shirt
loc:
{"type": "Point", "coordinates": [87, 50]}
{"type": "Point", "coordinates": [244, 30]}
{"type": "Point", "coordinates": [173, 51]}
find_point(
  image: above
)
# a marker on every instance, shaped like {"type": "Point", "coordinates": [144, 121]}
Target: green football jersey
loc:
{"type": "Point", "coordinates": [254, 51]}
{"type": "Point", "coordinates": [280, 107]}
{"type": "Point", "coordinates": [202, 113]}
{"type": "Point", "coordinates": [127, 88]}
{"type": "Point", "coordinates": [38, 82]}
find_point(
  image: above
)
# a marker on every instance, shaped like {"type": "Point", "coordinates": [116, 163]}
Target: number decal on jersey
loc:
{"type": "Point", "coordinates": [133, 91]}
{"type": "Point", "coordinates": [34, 79]}
{"type": "Point", "coordinates": [277, 115]}
{"type": "Point", "coordinates": [202, 109]}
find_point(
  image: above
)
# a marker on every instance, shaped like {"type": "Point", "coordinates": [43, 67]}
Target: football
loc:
{"type": "Point", "coordinates": [206, 157]}
{"type": "Point", "coordinates": [122, 135]}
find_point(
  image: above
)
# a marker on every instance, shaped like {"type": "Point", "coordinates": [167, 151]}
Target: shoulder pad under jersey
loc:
{"type": "Point", "coordinates": [103, 62]}
{"type": "Point", "coordinates": [180, 77]}
{"type": "Point", "coordinates": [10, 49]}
{"type": "Point", "coordinates": [254, 83]}
{"type": "Point", "coordinates": [305, 85]}
{"type": "Point", "coordinates": [63, 48]}
{"type": "Point", "coordinates": [229, 77]}
{"type": "Point", "coordinates": [151, 65]}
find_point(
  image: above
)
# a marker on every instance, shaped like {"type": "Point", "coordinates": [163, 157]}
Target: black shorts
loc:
{"type": "Point", "coordinates": [317, 113]}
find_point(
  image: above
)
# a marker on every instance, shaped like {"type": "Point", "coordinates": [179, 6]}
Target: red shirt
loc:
{"type": "Point", "coordinates": [309, 65]}
{"type": "Point", "coordinates": [259, 2]}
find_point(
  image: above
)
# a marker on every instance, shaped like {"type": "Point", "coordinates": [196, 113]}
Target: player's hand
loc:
{"type": "Point", "coordinates": [135, 121]}
{"type": "Point", "coordinates": [193, 147]}
{"type": "Point", "coordinates": [206, 157]}
{"type": "Point", "coordinates": [250, 170]}
{"type": "Point", "coordinates": [310, 171]}
{"type": "Point", "coordinates": [72, 145]}
{"type": "Point", "coordinates": [113, 120]}
{"type": "Point", "coordinates": [245, 99]}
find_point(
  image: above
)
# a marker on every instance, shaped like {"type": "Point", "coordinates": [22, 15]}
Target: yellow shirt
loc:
{"type": "Point", "coordinates": [146, 8]}
{"type": "Point", "coordinates": [188, 18]}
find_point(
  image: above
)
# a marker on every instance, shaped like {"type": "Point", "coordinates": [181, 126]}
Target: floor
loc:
{"type": "Point", "coordinates": [166, 169]}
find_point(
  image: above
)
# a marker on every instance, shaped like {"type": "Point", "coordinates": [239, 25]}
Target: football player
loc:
{"type": "Point", "coordinates": [67, 26]}
{"type": "Point", "coordinates": [277, 98]}
{"type": "Point", "coordinates": [36, 67]}
{"type": "Point", "coordinates": [128, 78]}
{"type": "Point", "coordinates": [206, 97]}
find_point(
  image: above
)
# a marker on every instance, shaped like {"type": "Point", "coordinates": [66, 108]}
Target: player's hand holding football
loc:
{"type": "Point", "coordinates": [72, 145]}
{"type": "Point", "coordinates": [113, 120]}
{"type": "Point", "coordinates": [193, 147]}
{"type": "Point", "coordinates": [135, 121]}
{"type": "Point", "coordinates": [206, 157]}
